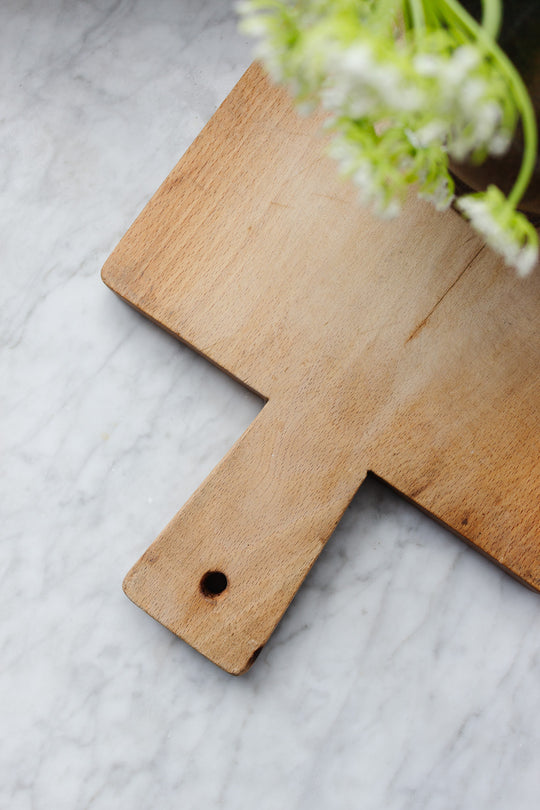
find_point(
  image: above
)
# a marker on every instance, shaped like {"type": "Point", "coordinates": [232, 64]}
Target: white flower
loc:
{"type": "Point", "coordinates": [360, 83]}
{"type": "Point", "coordinates": [369, 178]}
{"type": "Point", "coordinates": [528, 258]}
{"type": "Point", "coordinates": [462, 63]}
{"type": "Point", "coordinates": [255, 26]}
{"type": "Point", "coordinates": [433, 131]}
{"type": "Point", "coordinates": [500, 142]}
{"type": "Point", "coordinates": [467, 99]}
{"type": "Point", "coordinates": [505, 230]}
{"type": "Point", "coordinates": [361, 78]}
{"type": "Point", "coordinates": [344, 153]}
{"type": "Point", "coordinates": [272, 61]}
{"type": "Point", "coordinates": [428, 65]}
{"type": "Point", "coordinates": [441, 195]}
{"type": "Point", "coordinates": [387, 209]}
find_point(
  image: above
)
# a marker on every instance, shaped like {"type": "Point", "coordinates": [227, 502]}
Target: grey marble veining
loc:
{"type": "Point", "coordinates": [406, 675]}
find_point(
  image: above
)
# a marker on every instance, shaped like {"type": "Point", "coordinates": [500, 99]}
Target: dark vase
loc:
{"type": "Point", "coordinates": [520, 39]}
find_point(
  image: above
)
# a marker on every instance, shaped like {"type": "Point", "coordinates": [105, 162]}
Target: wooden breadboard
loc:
{"type": "Point", "coordinates": [404, 347]}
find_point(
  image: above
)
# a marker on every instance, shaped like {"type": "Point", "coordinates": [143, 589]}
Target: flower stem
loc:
{"type": "Point", "coordinates": [418, 17]}
{"type": "Point", "coordinates": [492, 17]}
{"type": "Point", "coordinates": [523, 101]}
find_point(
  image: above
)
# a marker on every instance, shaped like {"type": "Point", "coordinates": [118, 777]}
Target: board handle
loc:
{"type": "Point", "coordinates": [224, 570]}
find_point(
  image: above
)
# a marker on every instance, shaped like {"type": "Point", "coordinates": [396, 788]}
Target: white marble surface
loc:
{"type": "Point", "coordinates": [406, 675]}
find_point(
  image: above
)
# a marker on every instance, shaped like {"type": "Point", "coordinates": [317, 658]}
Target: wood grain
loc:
{"type": "Point", "coordinates": [405, 348]}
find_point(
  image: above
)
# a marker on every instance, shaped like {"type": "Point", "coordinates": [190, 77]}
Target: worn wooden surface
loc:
{"type": "Point", "coordinates": [404, 348]}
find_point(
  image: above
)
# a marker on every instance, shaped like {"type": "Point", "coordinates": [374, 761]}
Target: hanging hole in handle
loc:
{"type": "Point", "coordinates": [213, 583]}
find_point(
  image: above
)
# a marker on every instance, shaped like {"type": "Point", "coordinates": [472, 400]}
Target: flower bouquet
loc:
{"type": "Point", "coordinates": [413, 89]}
